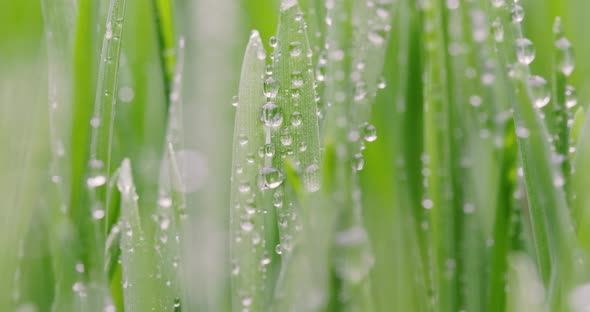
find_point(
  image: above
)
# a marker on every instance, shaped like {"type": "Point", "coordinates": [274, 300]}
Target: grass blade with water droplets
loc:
{"type": "Point", "coordinates": [140, 293]}
{"type": "Point", "coordinates": [248, 257]}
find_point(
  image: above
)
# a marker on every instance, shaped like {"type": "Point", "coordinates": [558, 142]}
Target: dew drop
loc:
{"type": "Point", "coordinates": [273, 42]}
{"type": "Point", "coordinates": [271, 115]}
{"type": "Point", "coordinates": [497, 3]}
{"type": "Point", "coordinates": [269, 150]}
{"type": "Point", "coordinates": [98, 214]}
{"type": "Point", "coordinates": [370, 133]}
{"type": "Point", "coordinates": [278, 249]}
{"type": "Point", "coordinates": [570, 97]}
{"type": "Point", "coordinates": [381, 84]}
{"type": "Point", "coordinates": [96, 181]}
{"type": "Point", "coordinates": [247, 301]}
{"type": "Point", "coordinates": [295, 48]}
{"type": "Point", "coordinates": [247, 225]}
{"type": "Point", "coordinates": [296, 80]}
{"type": "Point", "coordinates": [517, 14]}
{"type": "Point", "coordinates": [234, 101]}
{"type": "Point", "coordinates": [244, 187]}
{"type": "Point", "coordinates": [427, 203]}
{"type": "Point", "coordinates": [126, 94]}
{"type": "Point", "coordinates": [296, 119]}
{"type": "Point", "coordinates": [565, 57]}
{"type": "Point", "coordinates": [243, 140]}
{"type": "Point", "coordinates": [358, 162]}
{"type": "Point", "coordinates": [286, 139]}
{"type": "Point", "coordinates": [498, 30]}
{"type": "Point", "coordinates": [540, 93]}
{"type": "Point", "coordinates": [271, 87]}
{"type": "Point", "coordinates": [525, 51]}
{"type": "Point", "coordinates": [271, 178]}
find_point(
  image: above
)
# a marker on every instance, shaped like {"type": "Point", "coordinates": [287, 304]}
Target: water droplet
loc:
{"type": "Point", "coordinates": [271, 115]}
{"type": "Point", "coordinates": [278, 249]}
{"type": "Point", "coordinates": [286, 139]}
{"type": "Point", "coordinates": [311, 181]}
{"type": "Point", "coordinates": [370, 133]}
{"type": "Point", "coordinates": [517, 14]}
{"type": "Point", "coordinates": [271, 87]}
{"type": "Point", "coordinates": [358, 162]}
{"type": "Point", "coordinates": [256, 239]}
{"type": "Point", "coordinates": [244, 187]}
{"type": "Point", "coordinates": [95, 122]}
{"type": "Point", "coordinates": [235, 270]}
{"type": "Point", "coordinates": [269, 150]}
{"type": "Point", "coordinates": [498, 30]}
{"type": "Point", "coordinates": [497, 3]}
{"type": "Point", "coordinates": [522, 132]}
{"type": "Point", "coordinates": [165, 223]}
{"type": "Point", "coordinates": [96, 181]}
{"type": "Point", "coordinates": [565, 56]}
{"type": "Point", "coordinates": [525, 51]}
{"type": "Point", "coordinates": [247, 225]}
{"type": "Point", "coordinates": [108, 35]}
{"type": "Point", "coordinates": [271, 178]}
{"type": "Point", "coordinates": [250, 208]}
{"type": "Point", "coordinates": [98, 214]}
{"type": "Point", "coordinates": [296, 119]}
{"type": "Point", "coordinates": [273, 42]}
{"type": "Point", "coordinates": [295, 48]}
{"type": "Point", "coordinates": [164, 201]}
{"type": "Point", "coordinates": [126, 94]}
{"type": "Point", "coordinates": [302, 147]}
{"type": "Point", "coordinates": [234, 101]}
{"type": "Point", "coordinates": [246, 301]}
{"type": "Point", "coordinates": [80, 267]}
{"type": "Point", "coordinates": [277, 199]}
{"type": "Point", "coordinates": [296, 80]}
{"type": "Point", "coordinates": [540, 93]}
{"type": "Point", "coordinates": [427, 203]}
{"type": "Point", "coordinates": [381, 84]}
{"type": "Point", "coordinates": [376, 37]}
{"type": "Point", "coordinates": [571, 98]}
{"type": "Point", "coordinates": [243, 140]}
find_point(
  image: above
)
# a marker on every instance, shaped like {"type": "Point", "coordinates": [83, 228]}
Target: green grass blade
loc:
{"type": "Point", "coordinates": [248, 255]}
{"type": "Point", "coordinates": [296, 138]}
{"type": "Point", "coordinates": [140, 293]}
{"type": "Point", "coordinates": [496, 291]}
{"type": "Point", "coordinates": [438, 150]}
{"type": "Point", "coordinates": [293, 71]}
{"type": "Point", "coordinates": [562, 68]}
{"type": "Point", "coordinates": [555, 241]}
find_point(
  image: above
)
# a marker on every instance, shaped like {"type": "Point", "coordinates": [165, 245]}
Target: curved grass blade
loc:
{"type": "Point", "coordinates": [247, 236]}
{"type": "Point", "coordinates": [496, 291]}
{"type": "Point", "coordinates": [162, 12]}
{"type": "Point", "coordinates": [439, 193]}
{"type": "Point", "coordinates": [171, 209]}
{"type": "Point", "coordinates": [102, 123]}
{"type": "Point", "coordinates": [555, 240]}
{"type": "Point", "coordinates": [562, 68]}
{"type": "Point", "coordinates": [140, 293]}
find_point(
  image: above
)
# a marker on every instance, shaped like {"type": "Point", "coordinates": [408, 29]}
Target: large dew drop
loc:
{"type": "Point", "coordinates": [271, 115]}
{"type": "Point", "coordinates": [525, 51]}
{"type": "Point", "coordinates": [270, 178]}
{"type": "Point", "coordinates": [539, 91]}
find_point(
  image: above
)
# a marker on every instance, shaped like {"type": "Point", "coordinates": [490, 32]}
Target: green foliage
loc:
{"type": "Point", "coordinates": [386, 155]}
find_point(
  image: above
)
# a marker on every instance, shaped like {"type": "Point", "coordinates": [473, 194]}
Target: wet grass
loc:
{"type": "Point", "coordinates": [386, 156]}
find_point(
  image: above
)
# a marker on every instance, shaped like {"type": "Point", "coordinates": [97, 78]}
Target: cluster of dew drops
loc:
{"type": "Point", "coordinates": [540, 91]}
